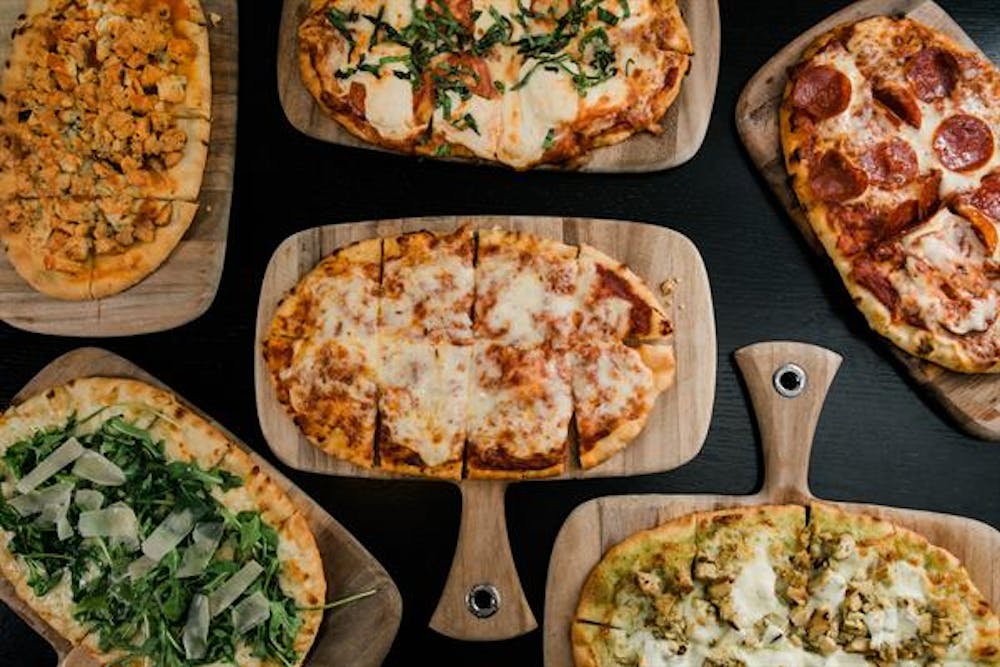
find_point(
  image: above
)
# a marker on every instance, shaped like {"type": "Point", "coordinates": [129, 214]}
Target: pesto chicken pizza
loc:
{"type": "Point", "coordinates": [889, 131]}
{"type": "Point", "coordinates": [520, 83]}
{"type": "Point", "coordinates": [782, 586]}
{"type": "Point", "coordinates": [469, 354]}
{"type": "Point", "coordinates": [104, 127]}
{"type": "Point", "coordinates": [137, 530]}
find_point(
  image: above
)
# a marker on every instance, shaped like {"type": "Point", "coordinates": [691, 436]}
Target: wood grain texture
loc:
{"type": "Point", "coordinates": [356, 634]}
{"type": "Point", "coordinates": [684, 124]}
{"type": "Point", "coordinates": [183, 287]}
{"type": "Point", "coordinates": [786, 426]}
{"type": "Point", "coordinates": [972, 400]}
{"type": "Point", "coordinates": [673, 435]}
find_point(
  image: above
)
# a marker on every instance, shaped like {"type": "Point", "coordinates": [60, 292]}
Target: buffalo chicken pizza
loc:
{"type": "Point", "coordinates": [468, 354]}
{"type": "Point", "coordinates": [890, 131]}
{"type": "Point", "coordinates": [780, 586]}
{"type": "Point", "coordinates": [104, 128]}
{"type": "Point", "coordinates": [512, 82]}
{"type": "Point", "coordinates": [137, 530]}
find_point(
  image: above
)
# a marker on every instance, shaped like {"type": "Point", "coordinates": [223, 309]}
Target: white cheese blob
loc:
{"type": "Point", "coordinates": [116, 521]}
{"type": "Point", "coordinates": [94, 467]}
{"type": "Point", "coordinates": [205, 542]}
{"type": "Point", "coordinates": [753, 592]}
{"type": "Point", "coordinates": [165, 537]}
{"type": "Point", "coordinates": [195, 635]}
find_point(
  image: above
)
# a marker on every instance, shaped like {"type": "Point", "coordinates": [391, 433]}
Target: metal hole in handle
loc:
{"type": "Point", "coordinates": [790, 380]}
{"type": "Point", "coordinates": [483, 600]}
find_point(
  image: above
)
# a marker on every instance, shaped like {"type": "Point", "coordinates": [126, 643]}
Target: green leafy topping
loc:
{"type": "Point", "coordinates": [145, 616]}
{"type": "Point", "coordinates": [339, 20]}
{"type": "Point", "coordinates": [550, 138]}
{"type": "Point", "coordinates": [607, 16]}
{"type": "Point", "coordinates": [626, 11]}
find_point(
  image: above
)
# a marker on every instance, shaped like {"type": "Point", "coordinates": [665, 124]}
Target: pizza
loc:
{"type": "Point", "coordinates": [516, 83]}
{"type": "Point", "coordinates": [104, 127]}
{"type": "Point", "coordinates": [889, 131]}
{"type": "Point", "coordinates": [136, 529]}
{"type": "Point", "coordinates": [489, 354]}
{"type": "Point", "coordinates": [781, 586]}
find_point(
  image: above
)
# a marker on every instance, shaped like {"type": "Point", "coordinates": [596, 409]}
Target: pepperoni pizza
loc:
{"type": "Point", "coordinates": [468, 354]}
{"type": "Point", "coordinates": [889, 131]}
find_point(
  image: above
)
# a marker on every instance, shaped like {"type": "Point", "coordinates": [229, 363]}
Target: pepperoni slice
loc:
{"type": "Point", "coordinates": [963, 142]}
{"type": "Point", "coordinates": [933, 73]}
{"type": "Point", "coordinates": [890, 164]}
{"type": "Point", "coordinates": [836, 179]}
{"type": "Point", "coordinates": [821, 91]}
{"type": "Point", "coordinates": [987, 197]}
{"type": "Point", "coordinates": [900, 103]}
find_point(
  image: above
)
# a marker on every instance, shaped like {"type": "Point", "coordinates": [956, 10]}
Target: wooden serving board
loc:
{"type": "Point", "coordinates": [183, 287]}
{"type": "Point", "coordinates": [684, 125]}
{"type": "Point", "coordinates": [673, 435]}
{"type": "Point", "coordinates": [972, 400]}
{"type": "Point", "coordinates": [356, 634]}
{"type": "Point", "coordinates": [787, 426]}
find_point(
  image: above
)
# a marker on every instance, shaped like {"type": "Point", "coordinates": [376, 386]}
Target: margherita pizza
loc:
{"type": "Point", "coordinates": [137, 530]}
{"type": "Point", "coordinates": [890, 131]}
{"type": "Point", "coordinates": [517, 83]}
{"type": "Point", "coordinates": [104, 128]}
{"type": "Point", "coordinates": [468, 354]}
{"type": "Point", "coordinates": [774, 586]}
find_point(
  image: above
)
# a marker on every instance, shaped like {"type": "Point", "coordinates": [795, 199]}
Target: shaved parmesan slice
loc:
{"type": "Point", "coordinates": [117, 521]}
{"type": "Point", "coordinates": [251, 612]}
{"type": "Point", "coordinates": [67, 452]}
{"type": "Point", "coordinates": [140, 567]}
{"type": "Point", "coordinates": [89, 499]}
{"type": "Point", "coordinates": [206, 538]}
{"type": "Point", "coordinates": [195, 636]}
{"type": "Point", "coordinates": [96, 468]}
{"type": "Point", "coordinates": [168, 534]}
{"type": "Point", "coordinates": [36, 501]}
{"type": "Point", "coordinates": [220, 599]}
{"type": "Point", "coordinates": [55, 514]}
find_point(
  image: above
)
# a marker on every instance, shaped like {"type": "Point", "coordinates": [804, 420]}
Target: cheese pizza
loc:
{"type": "Point", "coordinates": [138, 531]}
{"type": "Point", "coordinates": [470, 354]}
{"type": "Point", "coordinates": [104, 128]}
{"type": "Point", "coordinates": [775, 586]}
{"type": "Point", "coordinates": [889, 131]}
{"type": "Point", "coordinates": [517, 83]}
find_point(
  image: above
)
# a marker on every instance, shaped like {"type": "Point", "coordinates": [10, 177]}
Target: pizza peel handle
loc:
{"type": "Point", "coordinates": [787, 383]}
{"type": "Point", "coordinates": [483, 599]}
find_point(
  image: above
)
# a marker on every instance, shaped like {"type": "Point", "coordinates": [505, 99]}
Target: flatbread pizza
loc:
{"type": "Point", "coordinates": [138, 531]}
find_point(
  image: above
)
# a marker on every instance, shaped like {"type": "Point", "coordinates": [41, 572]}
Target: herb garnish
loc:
{"type": "Point", "coordinates": [339, 20]}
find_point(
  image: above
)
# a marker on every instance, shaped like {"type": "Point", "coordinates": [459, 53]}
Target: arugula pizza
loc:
{"type": "Point", "coordinates": [516, 83]}
{"type": "Point", "coordinates": [136, 529]}
{"type": "Point", "coordinates": [470, 354]}
{"type": "Point", "coordinates": [773, 586]}
{"type": "Point", "coordinates": [104, 126]}
{"type": "Point", "coordinates": [889, 131]}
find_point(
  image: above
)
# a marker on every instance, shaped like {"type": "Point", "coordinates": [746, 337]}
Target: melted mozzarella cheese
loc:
{"type": "Point", "coordinates": [753, 593]}
{"type": "Point", "coordinates": [424, 394]}
{"type": "Point", "coordinates": [935, 251]}
{"type": "Point", "coordinates": [488, 116]}
{"type": "Point", "coordinates": [545, 102]}
{"type": "Point", "coordinates": [434, 299]}
{"type": "Point", "coordinates": [908, 581]}
{"type": "Point", "coordinates": [347, 305]}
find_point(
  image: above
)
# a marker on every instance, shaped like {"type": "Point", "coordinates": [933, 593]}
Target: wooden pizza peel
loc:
{"type": "Point", "coordinates": [972, 400]}
{"type": "Point", "coordinates": [483, 598]}
{"type": "Point", "coordinates": [787, 383]}
{"type": "Point", "coordinates": [359, 633]}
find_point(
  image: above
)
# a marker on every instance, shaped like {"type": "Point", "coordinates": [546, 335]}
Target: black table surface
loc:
{"type": "Point", "coordinates": [879, 439]}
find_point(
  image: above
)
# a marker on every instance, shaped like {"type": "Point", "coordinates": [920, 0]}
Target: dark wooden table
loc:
{"type": "Point", "coordinates": [878, 441]}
